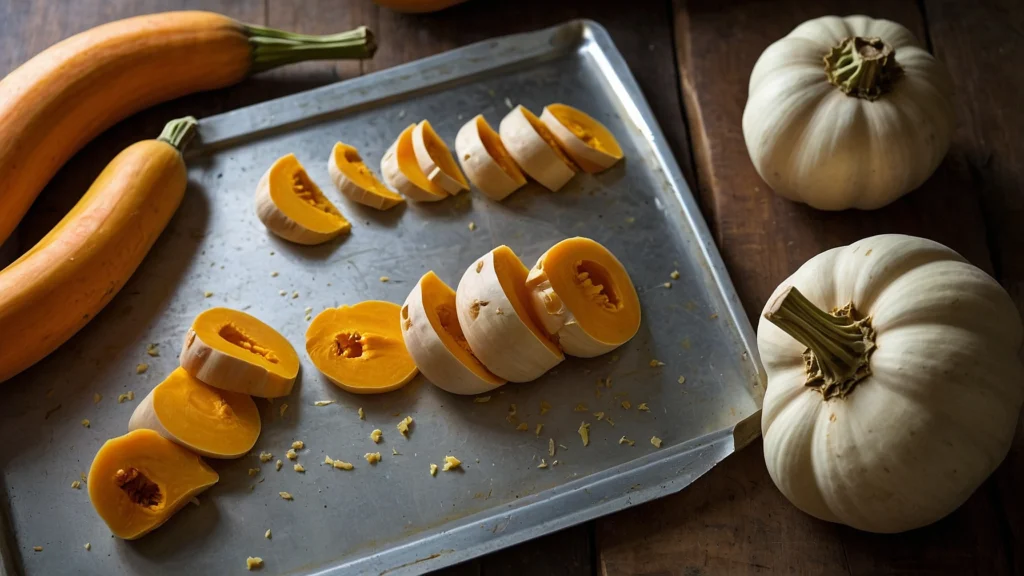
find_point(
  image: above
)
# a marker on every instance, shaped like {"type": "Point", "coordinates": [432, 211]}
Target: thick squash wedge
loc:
{"type": "Point", "coordinates": [63, 97]}
{"type": "Point", "coordinates": [63, 281]}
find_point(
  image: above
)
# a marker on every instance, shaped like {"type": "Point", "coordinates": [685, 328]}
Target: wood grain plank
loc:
{"type": "Point", "coordinates": [734, 520]}
{"type": "Point", "coordinates": [981, 44]}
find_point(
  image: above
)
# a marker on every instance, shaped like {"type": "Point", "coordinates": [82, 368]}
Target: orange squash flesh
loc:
{"type": "Point", "coordinates": [512, 276]}
{"type": "Point", "coordinates": [591, 283]}
{"type": "Point", "coordinates": [410, 167]}
{"type": "Point", "coordinates": [364, 187]}
{"type": "Point", "coordinates": [439, 304]}
{"type": "Point", "coordinates": [548, 137]}
{"type": "Point", "coordinates": [214, 423]}
{"type": "Point", "coordinates": [66, 95]}
{"type": "Point", "coordinates": [231, 350]}
{"type": "Point", "coordinates": [441, 156]}
{"type": "Point", "coordinates": [360, 348]}
{"type": "Point", "coordinates": [495, 149]}
{"type": "Point", "coordinates": [139, 480]}
{"type": "Point", "coordinates": [297, 209]}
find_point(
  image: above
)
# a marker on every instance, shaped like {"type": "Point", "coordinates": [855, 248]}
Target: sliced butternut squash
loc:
{"type": "Point", "coordinates": [139, 480]}
{"type": "Point", "coordinates": [360, 348]}
{"type": "Point", "coordinates": [435, 160]}
{"type": "Point", "coordinates": [211, 422]}
{"type": "Point", "coordinates": [356, 181]}
{"type": "Point", "coordinates": [292, 206]}
{"type": "Point", "coordinates": [430, 327]}
{"type": "Point", "coordinates": [585, 140]}
{"type": "Point", "coordinates": [498, 319]}
{"type": "Point", "coordinates": [487, 163]}
{"type": "Point", "coordinates": [231, 350]}
{"type": "Point", "coordinates": [584, 297]}
{"type": "Point", "coordinates": [402, 172]}
{"type": "Point", "coordinates": [535, 149]}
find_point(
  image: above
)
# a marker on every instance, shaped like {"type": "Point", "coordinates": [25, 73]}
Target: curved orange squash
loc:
{"type": "Point", "coordinates": [66, 95]}
{"type": "Point", "coordinates": [56, 287]}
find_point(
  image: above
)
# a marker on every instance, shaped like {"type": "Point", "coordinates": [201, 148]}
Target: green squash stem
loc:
{"type": "Point", "coordinates": [179, 132]}
{"type": "Point", "coordinates": [272, 48]}
{"type": "Point", "coordinates": [863, 67]}
{"type": "Point", "coordinates": [839, 345]}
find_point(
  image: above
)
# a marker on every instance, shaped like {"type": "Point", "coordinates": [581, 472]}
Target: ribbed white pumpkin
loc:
{"type": "Point", "coordinates": [872, 132]}
{"type": "Point", "coordinates": [897, 434]}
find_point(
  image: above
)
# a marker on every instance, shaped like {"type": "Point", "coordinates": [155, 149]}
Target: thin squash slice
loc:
{"type": "Point", "coordinates": [584, 297]}
{"type": "Point", "coordinates": [356, 181]}
{"type": "Point", "coordinates": [292, 206]}
{"type": "Point", "coordinates": [210, 422]}
{"type": "Point", "coordinates": [498, 319]}
{"type": "Point", "coordinates": [585, 140]}
{"type": "Point", "coordinates": [487, 163]}
{"type": "Point", "coordinates": [360, 348]}
{"type": "Point", "coordinates": [402, 172]}
{"type": "Point", "coordinates": [434, 338]}
{"type": "Point", "coordinates": [139, 480]}
{"type": "Point", "coordinates": [231, 350]}
{"type": "Point", "coordinates": [535, 149]}
{"type": "Point", "coordinates": [435, 160]}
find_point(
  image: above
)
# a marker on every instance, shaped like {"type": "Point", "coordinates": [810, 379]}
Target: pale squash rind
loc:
{"type": "Point", "coordinates": [587, 157]}
{"type": "Point", "coordinates": [532, 152]}
{"type": "Point", "coordinates": [431, 166]}
{"type": "Point", "coordinates": [480, 167]}
{"type": "Point", "coordinates": [392, 173]}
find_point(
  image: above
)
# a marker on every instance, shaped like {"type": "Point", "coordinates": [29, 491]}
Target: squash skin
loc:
{"type": "Point", "coordinates": [65, 96]}
{"type": "Point", "coordinates": [89, 255]}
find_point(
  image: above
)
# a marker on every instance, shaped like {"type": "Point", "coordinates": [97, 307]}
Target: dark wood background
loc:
{"type": "Point", "coordinates": [693, 60]}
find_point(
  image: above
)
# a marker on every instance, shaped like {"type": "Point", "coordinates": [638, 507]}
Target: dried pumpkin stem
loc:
{"type": "Point", "coordinates": [272, 48]}
{"type": "Point", "coordinates": [179, 132]}
{"type": "Point", "coordinates": [862, 67]}
{"type": "Point", "coordinates": [839, 345]}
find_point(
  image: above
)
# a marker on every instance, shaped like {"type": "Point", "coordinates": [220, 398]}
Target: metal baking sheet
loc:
{"type": "Point", "coordinates": [394, 518]}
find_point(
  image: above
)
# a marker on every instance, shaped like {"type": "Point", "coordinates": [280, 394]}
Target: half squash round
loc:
{"type": "Point", "coordinates": [360, 348]}
{"type": "Point", "coordinates": [402, 172]}
{"type": "Point", "coordinates": [211, 422]}
{"type": "Point", "coordinates": [585, 140]}
{"type": "Point", "coordinates": [231, 350]}
{"type": "Point", "coordinates": [356, 181]}
{"type": "Point", "coordinates": [292, 206]}
{"type": "Point", "coordinates": [584, 297]}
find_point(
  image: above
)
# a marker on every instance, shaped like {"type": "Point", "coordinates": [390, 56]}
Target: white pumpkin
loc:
{"type": "Point", "coordinates": [915, 394]}
{"type": "Point", "coordinates": [847, 113]}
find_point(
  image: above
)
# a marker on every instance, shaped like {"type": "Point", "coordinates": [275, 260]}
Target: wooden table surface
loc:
{"type": "Point", "coordinates": [692, 60]}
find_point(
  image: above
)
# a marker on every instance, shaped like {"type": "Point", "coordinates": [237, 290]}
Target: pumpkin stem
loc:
{"type": "Point", "coordinates": [272, 48]}
{"type": "Point", "coordinates": [862, 67]}
{"type": "Point", "coordinates": [839, 345]}
{"type": "Point", "coordinates": [179, 132]}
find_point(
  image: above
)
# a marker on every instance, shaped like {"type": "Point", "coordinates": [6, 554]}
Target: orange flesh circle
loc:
{"type": "Point", "coordinates": [164, 474]}
{"type": "Point", "coordinates": [512, 276]}
{"type": "Point", "coordinates": [361, 347]}
{"type": "Point", "coordinates": [352, 166]}
{"type": "Point", "coordinates": [590, 131]}
{"type": "Point", "coordinates": [245, 337]}
{"type": "Point", "coordinates": [594, 286]}
{"type": "Point", "coordinates": [216, 421]}
{"type": "Point", "coordinates": [301, 199]}
{"type": "Point", "coordinates": [439, 304]}
{"type": "Point", "coordinates": [548, 137]}
{"type": "Point", "coordinates": [496, 150]}
{"type": "Point", "coordinates": [441, 155]}
{"type": "Point", "coordinates": [410, 167]}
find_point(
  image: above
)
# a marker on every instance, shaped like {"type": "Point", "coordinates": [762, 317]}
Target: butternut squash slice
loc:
{"type": "Point", "coordinates": [139, 480]}
{"type": "Point", "coordinates": [402, 172]}
{"type": "Point", "coordinates": [430, 327]}
{"type": "Point", "coordinates": [498, 319]}
{"type": "Point", "coordinates": [435, 160]}
{"type": "Point", "coordinates": [585, 140]}
{"type": "Point", "coordinates": [356, 182]}
{"type": "Point", "coordinates": [535, 149]}
{"type": "Point", "coordinates": [231, 350]}
{"type": "Point", "coordinates": [584, 297]}
{"type": "Point", "coordinates": [69, 93]}
{"type": "Point", "coordinates": [292, 206]}
{"type": "Point", "coordinates": [83, 262]}
{"type": "Point", "coordinates": [210, 422]}
{"type": "Point", "coordinates": [360, 348]}
{"type": "Point", "coordinates": [487, 163]}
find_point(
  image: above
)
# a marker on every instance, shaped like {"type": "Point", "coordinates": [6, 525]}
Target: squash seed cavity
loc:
{"type": "Point", "coordinates": [140, 490]}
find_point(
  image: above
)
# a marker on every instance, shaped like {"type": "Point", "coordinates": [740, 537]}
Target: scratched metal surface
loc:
{"type": "Point", "coordinates": [394, 517]}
